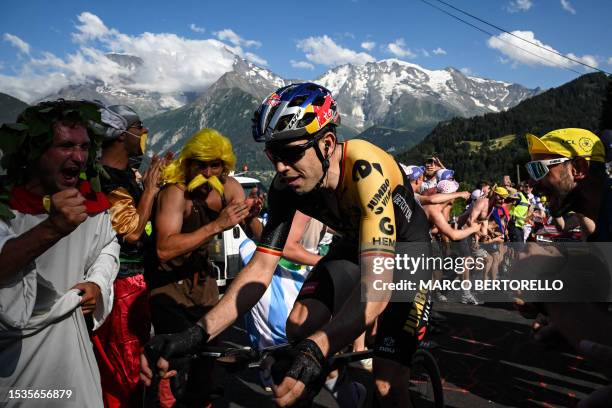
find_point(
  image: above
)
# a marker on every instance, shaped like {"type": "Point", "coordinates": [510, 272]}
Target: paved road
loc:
{"type": "Point", "coordinates": [486, 360]}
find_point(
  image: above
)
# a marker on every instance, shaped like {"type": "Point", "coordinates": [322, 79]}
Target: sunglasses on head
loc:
{"type": "Point", "coordinates": [538, 169]}
{"type": "Point", "coordinates": [288, 154]}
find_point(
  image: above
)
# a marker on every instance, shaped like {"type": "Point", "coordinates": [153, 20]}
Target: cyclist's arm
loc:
{"type": "Point", "coordinates": [244, 292]}
{"type": "Point", "coordinates": [251, 283]}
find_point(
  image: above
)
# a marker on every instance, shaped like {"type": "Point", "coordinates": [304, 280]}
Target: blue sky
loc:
{"type": "Point", "coordinates": [45, 45]}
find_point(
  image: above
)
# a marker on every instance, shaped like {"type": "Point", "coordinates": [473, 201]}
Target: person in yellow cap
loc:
{"type": "Point", "coordinates": [198, 201]}
{"type": "Point", "coordinates": [568, 166]}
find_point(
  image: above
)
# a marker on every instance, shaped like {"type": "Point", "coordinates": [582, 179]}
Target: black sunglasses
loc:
{"type": "Point", "coordinates": [288, 154]}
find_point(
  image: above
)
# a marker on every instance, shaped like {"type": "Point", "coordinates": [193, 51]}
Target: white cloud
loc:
{"type": "Point", "coordinates": [439, 51]}
{"type": "Point", "coordinates": [610, 61]}
{"type": "Point", "coordinates": [424, 52]}
{"type": "Point", "coordinates": [301, 64]}
{"type": "Point", "coordinates": [398, 49]}
{"type": "Point", "coordinates": [323, 50]}
{"type": "Point", "coordinates": [368, 45]}
{"type": "Point", "coordinates": [196, 29]}
{"type": "Point", "coordinates": [567, 6]}
{"type": "Point", "coordinates": [519, 5]}
{"type": "Point", "coordinates": [91, 28]}
{"type": "Point", "coordinates": [170, 63]}
{"type": "Point", "coordinates": [466, 71]}
{"type": "Point", "coordinates": [503, 43]}
{"type": "Point", "coordinates": [232, 37]}
{"type": "Point", "coordinates": [17, 42]}
{"type": "Point", "coordinates": [255, 59]}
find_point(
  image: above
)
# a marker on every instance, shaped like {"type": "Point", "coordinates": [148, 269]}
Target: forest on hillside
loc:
{"type": "Point", "coordinates": [580, 103]}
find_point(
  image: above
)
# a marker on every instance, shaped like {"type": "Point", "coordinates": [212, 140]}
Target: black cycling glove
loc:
{"type": "Point", "coordinates": [177, 344]}
{"type": "Point", "coordinates": [305, 363]}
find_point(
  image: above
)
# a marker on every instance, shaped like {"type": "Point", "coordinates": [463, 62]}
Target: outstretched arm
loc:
{"type": "Point", "coordinates": [442, 198]}
{"type": "Point", "coordinates": [244, 292]}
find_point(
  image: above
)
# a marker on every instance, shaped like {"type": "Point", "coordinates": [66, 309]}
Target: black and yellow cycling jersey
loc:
{"type": "Point", "coordinates": [372, 207]}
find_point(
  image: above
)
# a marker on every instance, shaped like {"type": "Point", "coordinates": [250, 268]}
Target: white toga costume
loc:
{"type": "Point", "coordinates": [44, 344]}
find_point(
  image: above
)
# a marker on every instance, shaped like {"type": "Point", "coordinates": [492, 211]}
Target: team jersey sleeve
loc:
{"type": "Point", "coordinates": [373, 182]}
{"type": "Point", "coordinates": [281, 208]}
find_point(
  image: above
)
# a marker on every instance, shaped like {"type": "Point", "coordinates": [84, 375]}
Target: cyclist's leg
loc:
{"type": "Point", "coordinates": [392, 379]}
{"type": "Point", "coordinates": [330, 283]}
{"type": "Point", "coordinates": [400, 328]}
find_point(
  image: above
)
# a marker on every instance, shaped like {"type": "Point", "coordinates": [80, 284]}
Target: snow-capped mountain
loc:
{"type": "Point", "coordinates": [393, 103]}
{"type": "Point", "coordinates": [403, 95]}
{"type": "Point", "coordinates": [227, 106]}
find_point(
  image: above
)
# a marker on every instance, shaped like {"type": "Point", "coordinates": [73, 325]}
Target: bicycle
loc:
{"type": "Point", "coordinates": [425, 380]}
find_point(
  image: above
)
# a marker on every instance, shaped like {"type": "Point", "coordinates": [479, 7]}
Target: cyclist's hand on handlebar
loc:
{"type": "Point", "coordinates": [146, 371]}
{"type": "Point", "coordinates": [305, 375]}
{"type": "Point", "coordinates": [164, 346]}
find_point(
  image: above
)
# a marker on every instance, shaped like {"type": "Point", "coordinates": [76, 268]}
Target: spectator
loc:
{"type": "Point", "coordinates": [569, 166]}
{"type": "Point", "coordinates": [520, 212]}
{"type": "Point", "coordinates": [432, 165]}
{"type": "Point", "coordinates": [199, 201]}
{"type": "Point", "coordinates": [120, 341]}
{"type": "Point", "coordinates": [58, 252]}
{"type": "Point", "coordinates": [484, 187]}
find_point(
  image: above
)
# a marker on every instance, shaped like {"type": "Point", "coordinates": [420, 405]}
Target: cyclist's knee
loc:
{"type": "Point", "coordinates": [305, 318]}
{"type": "Point", "coordinates": [383, 387]}
{"type": "Point", "coordinates": [389, 375]}
{"type": "Point", "coordinates": [295, 322]}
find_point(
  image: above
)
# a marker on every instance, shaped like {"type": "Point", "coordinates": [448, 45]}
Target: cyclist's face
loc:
{"type": "Point", "coordinates": [302, 175]}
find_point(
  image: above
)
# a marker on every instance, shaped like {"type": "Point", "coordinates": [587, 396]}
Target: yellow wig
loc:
{"type": "Point", "coordinates": [205, 145]}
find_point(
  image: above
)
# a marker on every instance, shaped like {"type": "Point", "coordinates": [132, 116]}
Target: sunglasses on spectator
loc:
{"type": "Point", "coordinates": [288, 154]}
{"type": "Point", "coordinates": [203, 165]}
{"type": "Point", "coordinates": [538, 169]}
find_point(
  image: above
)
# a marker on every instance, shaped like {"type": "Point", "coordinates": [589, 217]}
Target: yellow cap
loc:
{"type": "Point", "coordinates": [570, 142]}
{"type": "Point", "coordinates": [501, 191]}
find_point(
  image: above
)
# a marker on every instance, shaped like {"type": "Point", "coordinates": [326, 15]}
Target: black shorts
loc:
{"type": "Point", "coordinates": [400, 327]}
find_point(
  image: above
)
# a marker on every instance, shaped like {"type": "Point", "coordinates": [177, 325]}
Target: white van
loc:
{"type": "Point", "coordinates": [224, 249]}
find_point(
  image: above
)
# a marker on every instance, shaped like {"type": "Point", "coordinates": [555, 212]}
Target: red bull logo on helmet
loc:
{"type": "Point", "coordinates": [324, 113]}
{"type": "Point", "coordinates": [273, 99]}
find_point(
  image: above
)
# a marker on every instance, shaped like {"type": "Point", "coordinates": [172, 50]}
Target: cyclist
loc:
{"type": "Point", "coordinates": [359, 191]}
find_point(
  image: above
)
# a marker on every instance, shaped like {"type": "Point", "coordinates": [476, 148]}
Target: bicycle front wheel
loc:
{"type": "Point", "coordinates": [425, 381]}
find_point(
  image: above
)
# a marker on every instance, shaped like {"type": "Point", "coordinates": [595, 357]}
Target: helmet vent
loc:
{"type": "Point", "coordinates": [271, 115]}
{"type": "Point", "coordinates": [306, 119]}
{"type": "Point", "coordinates": [298, 100]}
{"type": "Point", "coordinates": [282, 122]}
{"type": "Point", "coordinates": [319, 101]}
